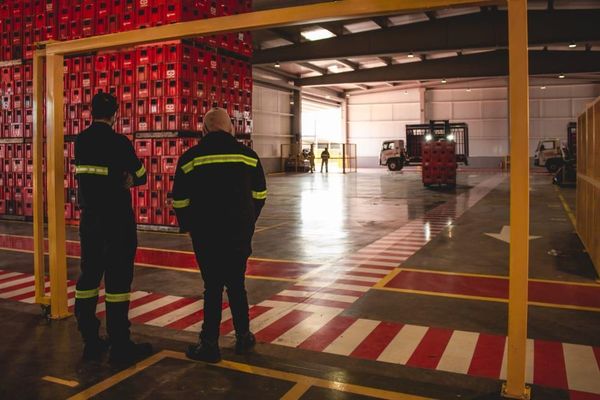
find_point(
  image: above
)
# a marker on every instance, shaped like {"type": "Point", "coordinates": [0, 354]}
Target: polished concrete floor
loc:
{"type": "Point", "coordinates": [368, 279]}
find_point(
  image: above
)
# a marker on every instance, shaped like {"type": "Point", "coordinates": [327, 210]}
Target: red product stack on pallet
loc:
{"type": "Point", "coordinates": [163, 89]}
{"type": "Point", "coordinates": [439, 163]}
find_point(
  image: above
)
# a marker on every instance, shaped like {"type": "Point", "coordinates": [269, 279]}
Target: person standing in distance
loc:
{"type": "Point", "coordinates": [106, 168]}
{"type": "Point", "coordinates": [218, 194]}
{"type": "Point", "coordinates": [325, 160]}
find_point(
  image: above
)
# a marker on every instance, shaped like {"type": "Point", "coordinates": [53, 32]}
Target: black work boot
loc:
{"type": "Point", "coordinates": [244, 343]}
{"type": "Point", "coordinates": [93, 349]}
{"type": "Point", "coordinates": [129, 352]}
{"type": "Point", "coordinates": [205, 350]}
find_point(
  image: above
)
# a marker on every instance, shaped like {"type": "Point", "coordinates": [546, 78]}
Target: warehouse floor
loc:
{"type": "Point", "coordinates": [330, 303]}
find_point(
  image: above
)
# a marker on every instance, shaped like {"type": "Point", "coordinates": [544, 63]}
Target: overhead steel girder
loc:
{"type": "Point", "coordinates": [473, 31]}
{"type": "Point", "coordinates": [493, 63]}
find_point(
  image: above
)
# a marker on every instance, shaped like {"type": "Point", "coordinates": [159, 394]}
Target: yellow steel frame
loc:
{"type": "Point", "coordinates": [53, 53]}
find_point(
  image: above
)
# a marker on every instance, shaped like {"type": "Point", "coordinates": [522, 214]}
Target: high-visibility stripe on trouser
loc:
{"type": "Point", "coordinates": [259, 195]}
{"type": "Point", "coordinates": [87, 294]}
{"type": "Point", "coordinates": [117, 297]}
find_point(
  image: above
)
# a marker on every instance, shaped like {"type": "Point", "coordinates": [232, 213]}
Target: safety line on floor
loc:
{"type": "Point", "coordinates": [323, 328]}
{"type": "Point", "coordinates": [303, 382]}
{"type": "Point", "coordinates": [60, 381]}
{"type": "Point", "coordinates": [542, 293]}
{"type": "Point", "coordinates": [567, 208]}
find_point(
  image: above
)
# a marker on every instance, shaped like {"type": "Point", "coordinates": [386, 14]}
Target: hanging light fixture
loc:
{"type": "Point", "coordinates": [411, 55]}
{"type": "Point", "coordinates": [277, 65]}
{"type": "Point", "coordinates": [561, 76]}
{"type": "Point", "coordinates": [572, 45]}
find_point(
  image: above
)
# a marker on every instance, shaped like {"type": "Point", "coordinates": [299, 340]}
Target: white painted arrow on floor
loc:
{"type": "Point", "coordinates": [504, 235]}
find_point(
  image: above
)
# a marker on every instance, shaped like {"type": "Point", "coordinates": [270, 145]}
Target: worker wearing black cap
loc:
{"type": "Point", "coordinates": [218, 194]}
{"type": "Point", "coordinates": [106, 168]}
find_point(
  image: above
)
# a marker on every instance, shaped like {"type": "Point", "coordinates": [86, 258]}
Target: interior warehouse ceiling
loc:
{"type": "Point", "coordinates": [424, 49]}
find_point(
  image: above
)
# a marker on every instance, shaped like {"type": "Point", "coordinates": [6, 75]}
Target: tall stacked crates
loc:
{"type": "Point", "coordinates": [439, 163]}
{"type": "Point", "coordinates": [163, 89]}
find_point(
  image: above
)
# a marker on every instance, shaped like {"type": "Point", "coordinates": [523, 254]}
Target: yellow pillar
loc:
{"type": "Point", "coordinates": [38, 177]}
{"type": "Point", "coordinates": [515, 387]}
{"type": "Point", "coordinates": [56, 192]}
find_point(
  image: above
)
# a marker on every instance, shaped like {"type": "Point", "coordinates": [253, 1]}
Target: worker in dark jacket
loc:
{"type": "Point", "coordinates": [106, 167]}
{"type": "Point", "coordinates": [218, 194]}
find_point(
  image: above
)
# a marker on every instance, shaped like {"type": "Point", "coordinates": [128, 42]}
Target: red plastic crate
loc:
{"type": "Point", "coordinates": [169, 164]}
{"type": "Point", "coordinates": [143, 147]}
{"type": "Point", "coordinates": [142, 123]}
{"type": "Point", "coordinates": [177, 105]}
{"type": "Point", "coordinates": [158, 147]}
{"type": "Point", "coordinates": [142, 216]}
{"type": "Point", "coordinates": [158, 216]}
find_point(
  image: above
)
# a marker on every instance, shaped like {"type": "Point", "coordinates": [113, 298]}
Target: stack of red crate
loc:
{"type": "Point", "coordinates": [163, 90]}
{"type": "Point", "coordinates": [439, 163]}
{"type": "Point", "coordinates": [26, 22]}
{"type": "Point", "coordinates": [160, 157]}
{"type": "Point", "coordinates": [16, 179]}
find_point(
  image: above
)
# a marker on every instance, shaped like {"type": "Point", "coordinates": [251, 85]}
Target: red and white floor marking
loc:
{"type": "Point", "coordinates": [318, 327]}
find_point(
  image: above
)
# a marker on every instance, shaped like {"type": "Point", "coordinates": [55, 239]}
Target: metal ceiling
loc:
{"type": "Point", "coordinates": [454, 44]}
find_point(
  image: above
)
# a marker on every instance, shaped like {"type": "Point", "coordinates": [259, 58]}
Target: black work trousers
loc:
{"type": "Point", "coordinates": [108, 246]}
{"type": "Point", "coordinates": [221, 268]}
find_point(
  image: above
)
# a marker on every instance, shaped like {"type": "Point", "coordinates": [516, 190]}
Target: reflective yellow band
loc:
{"type": "Point", "coordinates": [140, 172]}
{"type": "Point", "coordinates": [87, 294]}
{"type": "Point", "coordinates": [117, 297]}
{"type": "Point", "coordinates": [91, 169]}
{"type": "Point", "coordinates": [219, 159]}
{"type": "Point", "coordinates": [181, 203]}
{"type": "Point", "coordinates": [259, 195]}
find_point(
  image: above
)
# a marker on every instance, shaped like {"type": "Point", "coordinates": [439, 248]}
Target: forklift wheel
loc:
{"type": "Point", "coordinates": [552, 166]}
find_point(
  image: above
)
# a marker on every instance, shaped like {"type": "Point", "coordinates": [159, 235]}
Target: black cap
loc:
{"type": "Point", "coordinates": [104, 105]}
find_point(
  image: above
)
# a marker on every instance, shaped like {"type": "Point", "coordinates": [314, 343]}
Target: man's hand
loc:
{"type": "Point", "coordinates": [127, 180]}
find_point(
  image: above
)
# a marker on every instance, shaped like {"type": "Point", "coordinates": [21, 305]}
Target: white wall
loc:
{"type": "Point", "coordinates": [271, 110]}
{"type": "Point", "coordinates": [375, 117]}
{"type": "Point", "coordinates": [485, 110]}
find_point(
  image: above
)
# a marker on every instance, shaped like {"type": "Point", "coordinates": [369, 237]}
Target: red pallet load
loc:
{"type": "Point", "coordinates": [439, 163]}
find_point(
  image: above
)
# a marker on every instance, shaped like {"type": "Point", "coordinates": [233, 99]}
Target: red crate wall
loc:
{"type": "Point", "coordinates": [162, 87]}
{"type": "Point", "coordinates": [25, 22]}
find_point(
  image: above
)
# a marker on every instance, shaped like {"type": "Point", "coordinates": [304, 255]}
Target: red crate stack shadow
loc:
{"type": "Point", "coordinates": [163, 90]}
{"type": "Point", "coordinates": [439, 163]}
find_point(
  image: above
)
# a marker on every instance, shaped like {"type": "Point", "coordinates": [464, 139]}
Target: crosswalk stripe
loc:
{"type": "Point", "coordinates": [304, 329]}
{"type": "Point", "coordinates": [281, 325]}
{"type": "Point", "coordinates": [5, 276]}
{"type": "Point", "coordinates": [268, 317]}
{"type": "Point", "coordinates": [335, 286]}
{"type": "Point", "coordinates": [583, 373]}
{"type": "Point", "coordinates": [403, 345]}
{"type": "Point", "coordinates": [352, 337]}
{"type": "Point", "coordinates": [176, 314]}
{"type": "Point", "coordinates": [137, 311]}
{"type": "Point", "coordinates": [17, 282]}
{"type": "Point", "coordinates": [459, 352]}
{"type": "Point", "coordinates": [317, 295]}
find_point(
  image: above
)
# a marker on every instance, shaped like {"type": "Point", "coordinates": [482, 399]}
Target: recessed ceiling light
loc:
{"type": "Point", "coordinates": [572, 45]}
{"type": "Point", "coordinates": [411, 55]}
{"type": "Point", "coordinates": [347, 95]}
{"type": "Point", "coordinates": [468, 89]}
{"type": "Point", "coordinates": [328, 97]}
{"type": "Point", "coordinates": [543, 87]}
{"type": "Point", "coordinates": [317, 34]}
{"type": "Point", "coordinates": [277, 65]}
{"type": "Point", "coordinates": [561, 76]}
{"type": "Point", "coordinates": [444, 81]}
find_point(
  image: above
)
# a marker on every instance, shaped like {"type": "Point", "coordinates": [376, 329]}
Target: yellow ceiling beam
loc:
{"type": "Point", "coordinates": [300, 15]}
